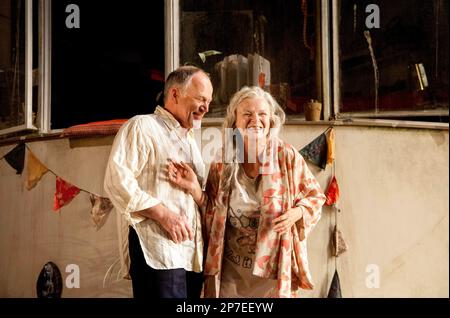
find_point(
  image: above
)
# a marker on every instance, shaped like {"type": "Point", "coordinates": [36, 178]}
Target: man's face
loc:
{"type": "Point", "coordinates": [194, 102]}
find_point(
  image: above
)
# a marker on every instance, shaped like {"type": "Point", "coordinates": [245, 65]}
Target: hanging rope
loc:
{"type": "Point", "coordinates": [375, 67]}
{"type": "Point", "coordinates": [304, 7]}
{"type": "Point", "coordinates": [15, 94]}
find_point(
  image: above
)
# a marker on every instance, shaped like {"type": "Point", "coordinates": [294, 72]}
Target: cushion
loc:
{"type": "Point", "coordinates": [98, 128]}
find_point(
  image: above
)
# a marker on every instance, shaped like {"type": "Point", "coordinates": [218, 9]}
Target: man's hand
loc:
{"type": "Point", "coordinates": [177, 226]}
{"type": "Point", "coordinates": [174, 224]}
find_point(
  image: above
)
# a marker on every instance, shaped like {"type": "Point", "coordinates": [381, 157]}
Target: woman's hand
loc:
{"type": "Point", "coordinates": [182, 175]}
{"type": "Point", "coordinates": [284, 222]}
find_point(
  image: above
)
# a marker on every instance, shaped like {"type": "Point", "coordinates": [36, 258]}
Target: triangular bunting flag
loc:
{"type": "Point", "coordinates": [316, 151]}
{"type": "Point", "coordinates": [35, 171]}
{"type": "Point", "coordinates": [65, 192]}
{"type": "Point", "coordinates": [100, 210]}
{"type": "Point", "coordinates": [331, 149]}
{"type": "Point", "coordinates": [16, 158]}
{"type": "Point", "coordinates": [339, 245]}
{"type": "Point", "coordinates": [335, 288]}
{"type": "Point", "coordinates": [332, 193]}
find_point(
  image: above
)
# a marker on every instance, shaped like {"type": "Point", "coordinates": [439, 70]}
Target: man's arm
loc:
{"type": "Point", "coordinates": [175, 225]}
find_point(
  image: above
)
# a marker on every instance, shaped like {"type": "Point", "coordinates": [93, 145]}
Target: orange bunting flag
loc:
{"type": "Point", "coordinates": [331, 149]}
{"type": "Point", "coordinates": [35, 171]}
{"type": "Point", "coordinates": [65, 192]}
{"type": "Point", "coordinates": [332, 193]}
{"type": "Point", "coordinates": [100, 210]}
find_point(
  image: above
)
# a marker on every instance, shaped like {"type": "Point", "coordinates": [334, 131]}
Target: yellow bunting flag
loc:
{"type": "Point", "coordinates": [35, 171]}
{"type": "Point", "coordinates": [331, 149]}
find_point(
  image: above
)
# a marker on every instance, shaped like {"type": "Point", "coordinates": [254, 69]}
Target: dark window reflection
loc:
{"type": "Point", "coordinates": [112, 66]}
{"type": "Point", "coordinates": [410, 52]}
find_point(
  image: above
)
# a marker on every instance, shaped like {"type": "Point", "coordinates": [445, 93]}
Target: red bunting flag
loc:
{"type": "Point", "coordinates": [65, 192]}
{"type": "Point", "coordinates": [332, 193]}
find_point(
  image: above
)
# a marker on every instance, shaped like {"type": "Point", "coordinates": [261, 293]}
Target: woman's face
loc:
{"type": "Point", "coordinates": [253, 117]}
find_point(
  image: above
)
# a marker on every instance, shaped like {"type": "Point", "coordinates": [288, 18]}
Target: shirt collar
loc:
{"type": "Point", "coordinates": [171, 122]}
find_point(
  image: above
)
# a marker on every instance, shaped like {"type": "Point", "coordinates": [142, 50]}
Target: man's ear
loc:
{"type": "Point", "coordinates": [174, 93]}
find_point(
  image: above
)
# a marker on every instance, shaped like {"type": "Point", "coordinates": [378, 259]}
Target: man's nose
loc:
{"type": "Point", "coordinates": [204, 108]}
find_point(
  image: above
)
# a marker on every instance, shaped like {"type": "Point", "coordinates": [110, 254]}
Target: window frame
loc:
{"type": "Point", "coordinates": [28, 111]}
{"type": "Point", "coordinates": [172, 51]}
{"type": "Point", "coordinates": [329, 69]}
{"type": "Point", "coordinates": [367, 115]}
{"type": "Point", "coordinates": [45, 66]}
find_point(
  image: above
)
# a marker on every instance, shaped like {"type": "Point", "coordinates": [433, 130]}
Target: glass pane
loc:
{"type": "Point", "coordinates": [12, 63]}
{"type": "Point", "coordinates": [112, 66]}
{"type": "Point", "coordinates": [400, 66]}
{"type": "Point", "coordinates": [265, 43]}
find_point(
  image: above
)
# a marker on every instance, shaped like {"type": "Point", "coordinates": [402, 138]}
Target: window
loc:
{"type": "Point", "coordinates": [111, 67]}
{"type": "Point", "coordinates": [398, 68]}
{"type": "Point", "coordinates": [249, 42]}
{"type": "Point", "coordinates": [115, 63]}
{"type": "Point", "coordinates": [18, 65]}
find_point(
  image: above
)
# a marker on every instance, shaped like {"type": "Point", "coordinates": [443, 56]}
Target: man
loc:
{"type": "Point", "coordinates": [165, 236]}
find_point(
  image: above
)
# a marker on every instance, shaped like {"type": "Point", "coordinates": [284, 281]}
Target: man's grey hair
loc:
{"type": "Point", "coordinates": [180, 78]}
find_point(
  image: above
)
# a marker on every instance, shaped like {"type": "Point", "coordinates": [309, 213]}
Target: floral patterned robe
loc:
{"type": "Point", "coordinates": [287, 184]}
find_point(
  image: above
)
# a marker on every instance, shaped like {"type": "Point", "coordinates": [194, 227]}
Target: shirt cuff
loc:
{"type": "Point", "coordinates": [140, 201]}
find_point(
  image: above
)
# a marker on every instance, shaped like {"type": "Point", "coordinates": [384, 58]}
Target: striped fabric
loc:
{"type": "Point", "coordinates": [98, 128]}
{"type": "Point", "coordinates": [135, 180]}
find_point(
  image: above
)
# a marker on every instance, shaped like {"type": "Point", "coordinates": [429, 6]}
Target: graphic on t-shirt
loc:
{"type": "Point", "coordinates": [247, 262]}
{"type": "Point", "coordinates": [236, 259]}
{"type": "Point", "coordinates": [247, 226]}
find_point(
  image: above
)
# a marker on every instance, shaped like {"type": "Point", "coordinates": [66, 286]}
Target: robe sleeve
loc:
{"type": "Point", "coordinates": [308, 195]}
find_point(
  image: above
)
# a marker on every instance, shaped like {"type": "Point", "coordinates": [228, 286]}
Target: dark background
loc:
{"type": "Point", "coordinates": [103, 70]}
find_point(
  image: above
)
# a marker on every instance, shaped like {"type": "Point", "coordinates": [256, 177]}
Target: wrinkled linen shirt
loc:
{"type": "Point", "coordinates": [136, 179]}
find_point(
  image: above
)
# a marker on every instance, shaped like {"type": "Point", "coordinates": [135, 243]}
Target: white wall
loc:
{"type": "Point", "coordinates": [394, 214]}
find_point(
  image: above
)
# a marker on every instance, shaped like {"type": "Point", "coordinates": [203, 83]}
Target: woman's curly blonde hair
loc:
{"type": "Point", "coordinates": [277, 119]}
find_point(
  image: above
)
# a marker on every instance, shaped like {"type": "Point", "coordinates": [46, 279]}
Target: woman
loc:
{"type": "Point", "coordinates": [260, 203]}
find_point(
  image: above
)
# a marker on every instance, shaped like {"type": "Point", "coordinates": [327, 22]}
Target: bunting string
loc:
{"type": "Point", "coordinates": [321, 152]}
{"type": "Point", "coordinates": [54, 173]}
{"type": "Point", "coordinates": [64, 192]}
